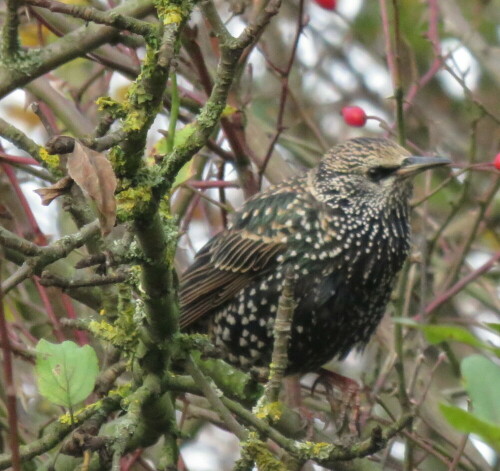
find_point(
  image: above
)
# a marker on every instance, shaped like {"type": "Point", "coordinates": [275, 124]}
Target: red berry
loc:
{"type": "Point", "coordinates": [327, 4]}
{"type": "Point", "coordinates": [354, 116]}
{"type": "Point", "coordinates": [496, 162]}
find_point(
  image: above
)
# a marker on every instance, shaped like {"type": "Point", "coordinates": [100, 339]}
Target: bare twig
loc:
{"type": "Point", "coordinates": [456, 24]}
{"type": "Point", "coordinates": [214, 399]}
{"type": "Point", "coordinates": [50, 254]}
{"type": "Point", "coordinates": [87, 13]}
{"type": "Point", "coordinates": [49, 279]}
{"type": "Point", "coordinates": [71, 46]}
{"type": "Point", "coordinates": [284, 76]}
{"type": "Point", "coordinates": [282, 333]}
{"type": "Point", "coordinates": [459, 285]}
{"type": "Point", "coordinates": [10, 389]}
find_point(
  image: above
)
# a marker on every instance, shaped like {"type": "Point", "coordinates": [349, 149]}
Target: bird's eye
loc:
{"type": "Point", "coordinates": [378, 173]}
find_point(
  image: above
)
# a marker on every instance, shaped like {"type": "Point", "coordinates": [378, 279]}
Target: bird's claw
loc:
{"type": "Point", "coordinates": [347, 409]}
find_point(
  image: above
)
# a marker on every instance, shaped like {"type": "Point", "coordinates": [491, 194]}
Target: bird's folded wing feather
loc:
{"type": "Point", "coordinates": [231, 259]}
{"type": "Point", "coordinates": [221, 269]}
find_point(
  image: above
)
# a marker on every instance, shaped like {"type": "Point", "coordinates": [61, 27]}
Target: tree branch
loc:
{"type": "Point", "coordinates": [87, 13]}
{"type": "Point", "coordinates": [72, 45]}
{"type": "Point", "coordinates": [50, 254]}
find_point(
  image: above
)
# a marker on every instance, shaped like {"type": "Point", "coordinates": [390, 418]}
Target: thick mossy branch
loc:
{"type": "Point", "coordinates": [151, 411]}
{"type": "Point", "coordinates": [232, 382]}
{"type": "Point", "coordinates": [145, 95]}
{"type": "Point", "coordinates": [156, 237]}
{"type": "Point", "coordinates": [19, 244]}
{"type": "Point", "coordinates": [10, 37]}
{"type": "Point", "coordinates": [23, 70]}
{"type": "Point", "coordinates": [160, 299]}
{"type": "Point", "coordinates": [131, 424]}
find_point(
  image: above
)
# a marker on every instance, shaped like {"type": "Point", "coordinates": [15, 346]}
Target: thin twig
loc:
{"type": "Point", "coordinates": [50, 254]}
{"type": "Point", "coordinates": [50, 279]}
{"type": "Point", "coordinates": [10, 389]}
{"type": "Point", "coordinates": [459, 285]}
{"type": "Point", "coordinates": [284, 76]}
{"type": "Point", "coordinates": [87, 13]}
{"type": "Point", "coordinates": [215, 400]}
{"type": "Point", "coordinates": [225, 207]}
{"type": "Point", "coordinates": [282, 333]}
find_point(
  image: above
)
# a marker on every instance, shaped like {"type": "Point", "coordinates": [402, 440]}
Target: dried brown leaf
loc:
{"type": "Point", "coordinates": [94, 174]}
{"type": "Point", "coordinates": [50, 193]}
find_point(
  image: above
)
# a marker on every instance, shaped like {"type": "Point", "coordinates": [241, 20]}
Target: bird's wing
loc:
{"type": "Point", "coordinates": [232, 258]}
{"type": "Point", "coordinates": [222, 268]}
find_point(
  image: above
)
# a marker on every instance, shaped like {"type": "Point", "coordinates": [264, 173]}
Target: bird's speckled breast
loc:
{"type": "Point", "coordinates": [350, 293]}
{"type": "Point", "coordinates": [344, 268]}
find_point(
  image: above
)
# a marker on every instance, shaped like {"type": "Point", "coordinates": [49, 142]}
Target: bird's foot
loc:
{"type": "Point", "coordinates": [293, 399]}
{"type": "Point", "coordinates": [347, 408]}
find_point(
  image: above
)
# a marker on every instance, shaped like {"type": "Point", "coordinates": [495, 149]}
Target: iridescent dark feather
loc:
{"type": "Point", "coordinates": [343, 228]}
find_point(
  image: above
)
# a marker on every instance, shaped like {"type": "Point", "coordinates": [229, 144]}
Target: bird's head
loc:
{"type": "Point", "coordinates": [370, 167]}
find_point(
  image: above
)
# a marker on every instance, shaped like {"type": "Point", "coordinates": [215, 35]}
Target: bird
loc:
{"type": "Point", "coordinates": [342, 229]}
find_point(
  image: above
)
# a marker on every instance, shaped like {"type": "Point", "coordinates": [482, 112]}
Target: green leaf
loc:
{"type": "Point", "coordinates": [444, 333]}
{"type": "Point", "coordinates": [228, 111]}
{"type": "Point", "coordinates": [182, 135]}
{"type": "Point", "coordinates": [493, 326]}
{"type": "Point", "coordinates": [65, 372]}
{"type": "Point", "coordinates": [482, 383]}
{"type": "Point", "coordinates": [469, 423]}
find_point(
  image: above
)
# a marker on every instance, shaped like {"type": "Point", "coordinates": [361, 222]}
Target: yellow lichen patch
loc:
{"type": "Point", "coordinates": [52, 161]}
{"type": "Point", "coordinates": [68, 419]}
{"type": "Point", "coordinates": [228, 111]}
{"type": "Point", "coordinates": [172, 17]}
{"type": "Point", "coordinates": [122, 391]}
{"type": "Point", "coordinates": [257, 451]}
{"type": "Point", "coordinates": [170, 13]}
{"type": "Point", "coordinates": [135, 119]}
{"type": "Point", "coordinates": [319, 450]}
{"type": "Point", "coordinates": [271, 411]}
{"type": "Point", "coordinates": [121, 334]}
{"type": "Point", "coordinates": [103, 330]}
{"type": "Point", "coordinates": [115, 108]}
{"type": "Point", "coordinates": [132, 201]}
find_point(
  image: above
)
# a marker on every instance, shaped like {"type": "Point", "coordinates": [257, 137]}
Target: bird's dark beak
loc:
{"type": "Point", "coordinates": [416, 164]}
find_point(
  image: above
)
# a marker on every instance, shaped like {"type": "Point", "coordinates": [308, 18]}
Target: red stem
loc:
{"type": "Point", "coordinates": [80, 335]}
{"type": "Point", "coordinates": [42, 292]}
{"type": "Point", "coordinates": [460, 284]}
{"type": "Point", "coordinates": [16, 159]}
{"type": "Point", "coordinates": [36, 233]}
{"type": "Point", "coordinates": [205, 184]}
{"type": "Point", "coordinates": [40, 239]}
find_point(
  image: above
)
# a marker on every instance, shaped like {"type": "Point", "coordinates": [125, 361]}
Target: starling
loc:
{"type": "Point", "coordinates": [344, 230]}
